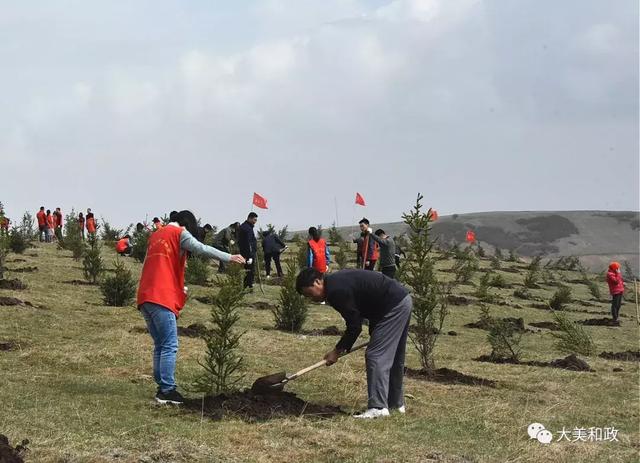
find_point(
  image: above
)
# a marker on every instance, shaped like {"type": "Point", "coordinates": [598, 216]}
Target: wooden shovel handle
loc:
{"type": "Point", "coordinates": [323, 362]}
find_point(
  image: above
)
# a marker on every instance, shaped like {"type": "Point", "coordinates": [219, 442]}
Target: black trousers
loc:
{"type": "Point", "coordinates": [616, 303]}
{"type": "Point", "coordinates": [251, 272]}
{"type": "Point", "coordinates": [389, 271]}
{"type": "Point", "coordinates": [371, 266]}
{"type": "Point", "coordinates": [276, 260]}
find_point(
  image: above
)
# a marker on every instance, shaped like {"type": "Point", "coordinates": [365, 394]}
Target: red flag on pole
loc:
{"type": "Point", "coordinates": [471, 236]}
{"type": "Point", "coordinates": [360, 199]}
{"type": "Point", "coordinates": [434, 215]}
{"type": "Point", "coordinates": [259, 201]}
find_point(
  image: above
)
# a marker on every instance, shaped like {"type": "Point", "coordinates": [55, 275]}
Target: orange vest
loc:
{"type": "Point", "coordinates": [41, 216]}
{"type": "Point", "coordinates": [50, 221]}
{"type": "Point", "coordinates": [162, 280]}
{"type": "Point", "coordinates": [366, 249]}
{"type": "Point", "coordinates": [91, 225]}
{"type": "Point", "coordinates": [319, 249]}
{"type": "Point", "coordinates": [122, 245]}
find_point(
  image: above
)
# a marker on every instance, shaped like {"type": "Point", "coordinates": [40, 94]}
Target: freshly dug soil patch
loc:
{"type": "Point", "coordinates": [412, 329]}
{"type": "Point", "coordinates": [627, 356]}
{"type": "Point", "coordinates": [14, 284]}
{"type": "Point", "coordinates": [553, 326]}
{"type": "Point", "coordinates": [79, 283]}
{"type": "Point", "coordinates": [17, 259]}
{"type": "Point", "coordinates": [517, 323]}
{"type": "Point", "coordinates": [252, 407]}
{"type": "Point", "coordinates": [195, 330]}
{"type": "Point", "coordinates": [570, 362]}
{"type": "Point", "coordinates": [511, 270]}
{"type": "Point", "coordinates": [9, 301]}
{"type": "Point", "coordinates": [599, 322]}
{"type": "Point", "coordinates": [23, 270]}
{"type": "Point", "coordinates": [327, 331]}
{"type": "Point", "coordinates": [204, 299]}
{"type": "Point", "coordinates": [458, 300]}
{"type": "Point", "coordinates": [447, 376]}
{"type": "Point", "coordinates": [261, 305]}
{"type": "Point", "coordinates": [10, 454]}
{"type": "Point", "coordinates": [7, 346]}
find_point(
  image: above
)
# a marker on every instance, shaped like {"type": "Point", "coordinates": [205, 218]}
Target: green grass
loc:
{"type": "Point", "coordinates": [80, 386]}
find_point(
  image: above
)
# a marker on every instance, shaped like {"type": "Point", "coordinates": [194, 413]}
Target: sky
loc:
{"type": "Point", "coordinates": [141, 107]}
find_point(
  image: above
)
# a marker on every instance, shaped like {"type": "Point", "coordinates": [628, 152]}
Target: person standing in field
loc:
{"type": "Point", "coordinates": [272, 246]}
{"type": "Point", "coordinates": [224, 240]}
{"type": "Point", "coordinates": [616, 289]}
{"type": "Point", "coordinates": [248, 245]}
{"type": "Point", "coordinates": [387, 251]}
{"type": "Point", "coordinates": [81, 224]}
{"type": "Point", "coordinates": [358, 294]}
{"type": "Point", "coordinates": [41, 216]}
{"type": "Point", "coordinates": [91, 223]}
{"type": "Point", "coordinates": [318, 255]}
{"type": "Point", "coordinates": [162, 294]}
{"type": "Point", "coordinates": [57, 215]}
{"type": "Point", "coordinates": [370, 251]}
{"type": "Point", "coordinates": [51, 226]}
{"type": "Point", "coordinates": [157, 224]}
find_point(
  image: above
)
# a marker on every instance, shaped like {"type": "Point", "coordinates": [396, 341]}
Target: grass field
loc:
{"type": "Point", "coordinates": [79, 384]}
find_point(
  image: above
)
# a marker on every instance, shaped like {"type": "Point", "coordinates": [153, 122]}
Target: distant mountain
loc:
{"type": "Point", "coordinates": [595, 236]}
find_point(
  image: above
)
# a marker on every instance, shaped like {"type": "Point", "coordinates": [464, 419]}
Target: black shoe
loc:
{"type": "Point", "coordinates": [171, 397]}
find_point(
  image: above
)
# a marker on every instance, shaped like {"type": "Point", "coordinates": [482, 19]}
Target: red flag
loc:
{"type": "Point", "coordinates": [259, 201]}
{"type": "Point", "coordinates": [434, 215]}
{"type": "Point", "coordinates": [471, 236]}
{"type": "Point", "coordinates": [360, 199]}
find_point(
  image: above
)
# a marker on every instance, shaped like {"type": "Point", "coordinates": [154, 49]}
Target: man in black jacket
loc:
{"type": "Point", "coordinates": [248, 247]}
{"type": "Point", "coordinates": [272, 246]}
{"type": "Point", "coordinates": [357, 294]}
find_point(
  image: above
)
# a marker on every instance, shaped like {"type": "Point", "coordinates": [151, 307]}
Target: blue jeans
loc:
{"type": "Point", "coordinates": [162, 326]}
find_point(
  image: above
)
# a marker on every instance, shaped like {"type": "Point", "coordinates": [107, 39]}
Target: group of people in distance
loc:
{"type": "Point", "coordinates": [50, 224]}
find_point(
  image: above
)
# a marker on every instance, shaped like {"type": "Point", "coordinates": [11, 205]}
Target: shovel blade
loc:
{"type": "Point", "coordinates": [269, 383]}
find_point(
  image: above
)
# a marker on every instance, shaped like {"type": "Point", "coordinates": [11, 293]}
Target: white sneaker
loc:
{"type": "Point", "coordinates": [400, 410]}
{"type": "Point", "coordinates": [323, 303]}
{"type": "Point", "coordinates": [373, 413]}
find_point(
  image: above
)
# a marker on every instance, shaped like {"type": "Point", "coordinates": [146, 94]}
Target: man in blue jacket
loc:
{"type": "Point", "coordinates": [248, 247]}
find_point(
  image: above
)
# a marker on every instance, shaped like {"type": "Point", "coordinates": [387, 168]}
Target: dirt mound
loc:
{"type": "Point", "coordinates": [517, 323]}
{"type": "Point", "coordinates": [11, 301]}
{"type": "Point", "coordinates": [204, 299]}
{"type": "Point", "coordinates": [447, 376]}
{"type": "Point", "coordinates": [261, 305]}
{"type": "Point", "coordinates": [327, 331]}
{"type": "Point", "coordinates": [23, 270]}
{"type": "Point", "coordinates": [571, 362]}
{"type": "Point", "coordinates": [8, 345]}
{"type": "Point", "coordinates": [79, 283]}
{"type": "Point", "coordinates": [10, 454]}
{"type": "Point", "coordinates": [458, 300]}
{"type": "Point", "coordinates": [553, 326]}
{"type": "Point", "coordinates": [627, 356]}
{"type": "Point", "coordinates": [14, 284]}
{"type": "Point", "coordinates": [251, 406]}
{"type": "Point", "coordinates": [195, 330]}
{"type": "Point", "coordinates": [600, 322]}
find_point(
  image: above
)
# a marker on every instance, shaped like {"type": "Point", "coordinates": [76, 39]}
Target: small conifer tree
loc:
{"type": "Point", "coordinates": [118, 289]}
{"type": "Point", "coordinates": [92, 264]}
{"type": "Point", "coordinates": [292, 311]}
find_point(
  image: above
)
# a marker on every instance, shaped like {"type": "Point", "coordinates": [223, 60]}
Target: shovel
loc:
{"type": "Point", "coordinates": [277, 381]}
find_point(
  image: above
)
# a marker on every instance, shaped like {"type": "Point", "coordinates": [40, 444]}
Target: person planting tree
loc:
{"type": "Point", "coordinates": [616, 289]}
{"type": "Point", "coordinates": [224, 239]}
{"type": "Point", "coordinates": [387, 251]}
{"type": "Point", "coordinates": [162, 295]}
{"type": "Point", "coordinates": [123, 246]}
{"type": "Point", "coordinates": [272, 246]}
{"type": "Point", "coordinates": [357, 294]}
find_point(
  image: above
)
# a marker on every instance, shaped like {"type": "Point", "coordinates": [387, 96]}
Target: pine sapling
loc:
{"type": "Point", "coordinates": [92, 263]}
{"type": "Point", "coordinates": [222, 363]}
{"type": "Point", "coordinates": [118, 289]}
{"type": "Point", "coordinates": [292, 311]}
{"type": "Point", "coordinates": [572, 338]}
